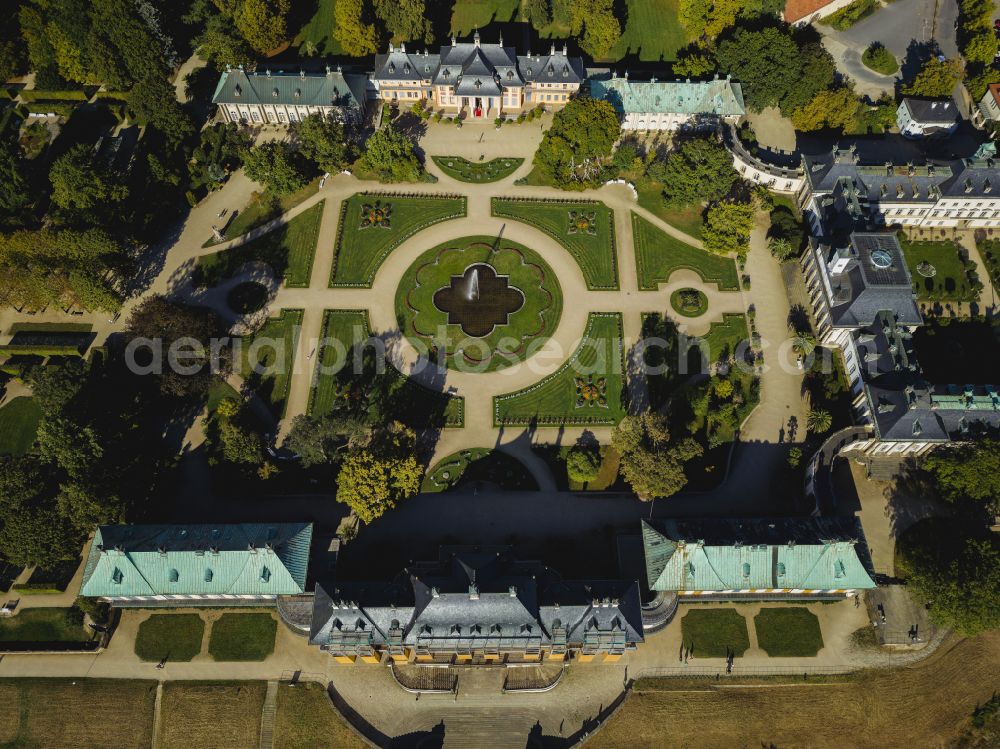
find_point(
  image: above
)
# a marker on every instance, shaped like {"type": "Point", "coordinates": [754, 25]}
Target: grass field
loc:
{"type": "Point", "coordinates": [318, 31]}
{"type": "Point", "coordinates": [949, 283]}
{"type": "Point", "coordinates": [403, 399]}
{"type": "Point", "coordinates": [788, 632]}
{"type": "Point", "coordinates": [653, 31]}
{"type": "Point", "coordinates": [18, 425]}
{"type": "Point", "coordinates": [714, 633]}
{"type": "Point", "coordinates": [658, 255]}
{"type": "Point", "coordinates": [306, 720]}
{"type": "Point", "coordinates": [273, 356]}
{"type": "Point", "coordinates": [289, 250]}
{"type": "Point", "coordinates": [478, 464]}
{"type": "Point", "coordinates": [469, 15]}
{"type": "Point", "coordinates": [44, 625]}
{"type": "Point", "coordinates": [360, 252]}
{"type": "Point", "coordinates": [688, 219]}
{"type": "Point", "coordinates": [924, 705]}
{"type": "Point", "coordinates": [207, 715]}
{"type": "Point", "coordinates": [263, 207]}
{"type": "Point", "coordinates": [553, 401]}
{"type": "Point", "coordinates": [477, 171]}
{"type": "Point", "coordinates": [724, 337]}
{"type": "Point", "coordinates": [219, 391]}
{"type": "Point", "coordinates": [67, 714]}
{"type": "Point", "coordinates": [594, 253]}
{"type": "Point", "coordinates": [242, 637]}
{"type": "Point", "coordinates": [176, 637]}
{"type": "Point", "coordinates": [526, 327]}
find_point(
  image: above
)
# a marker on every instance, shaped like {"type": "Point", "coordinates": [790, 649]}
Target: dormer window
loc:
{"type": "Point", "coordinates": [456, 629]}
{"type": "Point", "coordinates": [917, 427]}
{"type": "Point", "coordinates": [551, 70]}
{"type": "Point", "coordinates": [746, 569]}
{"type": "Point", "coordinates": [298, 93]}
{"type": "Point", "coordinates": [406, 68]}
{"type": "Point", "coordinates": [838, 569]}
{"type": "Point", "coordinates": [690, 569]}
{"type": "Point", "coordinates": [174, 576]}
{"type": "Point", "coordinates": [510, 75]}
{"type": "Point", "coordinates": [392, 67]}
{"type": "Point", "coordinates": [209, 575]}
{"type": "Point", "coordinates": [781, 569]}
{"type": "Point", "coordinates": [274, 93]}
{"type": "Point", "coordinates": [265, 575]}
{"type": "Point", "coordinates": [117, 576]}
{"type": "Point", "coordinates": [479, 84]}
{"type": "Point", "coordinates": [565, 71]}
{"type": "Point", "coordinates": [237, 92]}
{"type": "Point", "coordinates": [528, 71]}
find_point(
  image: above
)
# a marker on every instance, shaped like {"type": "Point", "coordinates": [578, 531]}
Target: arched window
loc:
{"type": "Point", "coordinates": [174, 576]}
{"type": "Point", "coordinates": [781, 569]}
{"type": "Point", "coordinates": [209, 575]}
{"type": "Point", "coordinates": [746, 569]}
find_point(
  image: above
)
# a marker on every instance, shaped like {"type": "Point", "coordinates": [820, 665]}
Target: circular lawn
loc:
{"type": "Point", "coordinates": [478, 304]}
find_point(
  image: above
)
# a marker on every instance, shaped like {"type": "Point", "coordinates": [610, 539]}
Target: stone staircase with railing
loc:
{"type": "Point", "coordinates": [267, 716]}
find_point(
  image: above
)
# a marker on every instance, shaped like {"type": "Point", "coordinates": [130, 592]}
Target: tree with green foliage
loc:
{"type": "Point", "coordinates": [782, 249]}
{"type": "Point", "coordinates": [322, 440]}
{"type": "Point", "coordinates": [263, 23]}
{"type": "Point", "coordinates": [37, 536]}
{"type": "Point", "coordinates": [968, 472]}
{"type": "Point", "coordinates": [574, 152]}
{"type": "Point", "coordinates": [537, 12]}
{"type": "Point", "coordinates": [955, 566]}
{"type": "Point", "coordinates": [835, 108]}
{"type": "Point", "coordinates": [981, 47]}
{"type": "Point", "coordinates": [936, 79]}
{"type": "Point", "coordinates": [727, 227]}
{"type": "Point", "coordinates": [651, 461]}
{"type": "Point", "coordinates": [15, 193]}
{"type": "Point", "coordinates": [697, 169]}
{"type": "Point", "coordinates": [221, 45]}
{"type": "Point", "coordinates": [819, 421]}
{"type": "Point", "coordinates": [61, 267]}
{"type": "Point", "coordinates": [816, 72]}
{"type": "Point", "coordinates": [276, 166]}
{"type": "Point", "coordinates": [153, 101]}
{"type": "Point", "coordinates": [355, 35]}
{"type": "Point", "coordinates": [322, 140]}
{"type": "Point", "coordinates": [405, 20]}
{"type": "Point", "coordinates": [583, 462]}
{"type": "Point", "coordinates": [379, 471]}
{"type": "Point", "coordinates": [240, 443]}
{"type": "Point", "coordinates": [81, 184]}
{"type": "Point", "coordinates": [693, 63]}
{"type": "Point", "coordinates": [389, 153]}
{"type": "Point", "coordinates": [601, 29]}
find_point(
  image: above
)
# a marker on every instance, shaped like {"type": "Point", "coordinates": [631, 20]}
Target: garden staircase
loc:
{"type": "Point", "coordinates": [267, 716]}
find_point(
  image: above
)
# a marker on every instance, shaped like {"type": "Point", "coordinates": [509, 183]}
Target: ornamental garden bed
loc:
{"type": "Point", "coordinates": [788, 632]}
{"type": "Point", "coordinates": [372, 225]}
{"type": "Point", "coordinates": [658, 255]}
{"type": "Point", "coordinates": [586, 390]}
{"type": "Point", "coordinates": [464, 170]}
{"type": "Point", "coordinates": [941, 272]}
{"type": "Point", "coordinates": [689, 302]}
{"type": "Point", "coordinates": [479, 303]}
{"type": "Point", "coordinates": [474, 465]}
{"type": "Point", "coordinates": [288, 249]}
{"type": "Point", "coordinates": [337, 387]}
{"type": "Point", "coordinates": [267, 358]}
{"type": "Point", "coordinates": [585, 228]}
{"type": "Point", "coordinates": [714, 633]}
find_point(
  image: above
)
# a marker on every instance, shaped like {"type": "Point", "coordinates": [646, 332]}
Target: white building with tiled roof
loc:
{"type": "Point", "coordinates": [671, 105]}
{"type": "Point", "coordinates": [478, 80]}
{"type": "Point", "coordinates": [281, 98]}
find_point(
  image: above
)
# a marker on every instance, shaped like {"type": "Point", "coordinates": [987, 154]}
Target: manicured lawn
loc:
{"type": "Point", "coordinates": [242, 637]}
{"type": "Point", "coordinates": [955, 351]}
{"type": "Point", "coordinates": [477, 171]}
{"type": "Point", "coordinates": [724, 337]}
{"type": "Point", "coordinates": [430, 326]}
{"type": "Point", "coordinates": [658, 255]}
{"type": "Point", "coordinates": [306, 719]}
{"type": "Point", "coordinates": [319, 31]}
{"type": "Point", "coordinates": [268, 357]}
{"type": "Point", "coordinates": [63, 713]}
{"type": "Point", "coordinates": [176, 637]}
{"type": "Point", "coordinates": [18, 425]}
{"type": "Point", "coordinates": [219, 391]}
{"type": "Point", "coordinates": [360, 252]}
{"type": "Point", "coordinates": [653, 31]}
{"type": "Point", "coordinates": [607, 475]}
{"type": "Point", "coordinates": [788, 632]}
{"type": "Point", "coordinates": [208, 715]}
{"type": "Point", "coordinates": [478, 464]}
{"type": "Point", "coordinates": [950, 281]}
{"type": "Point", "coordinates": [594, 252]}
{"type": "Point", "coordinates": [263, 207]}
{"type": "Point", "coordinates": [401, 397]}
{"type": "Point", "coordinates": [469, 15]}
{"type": "Point", "coordinates": [596, 366]}
{"type": "Point", "coordinates": [289, 250]}
{"type": "Point", "coordinates": [714, 633]}
{"type": "Point", "coordinates": [688, 219]}
{"type": "Point", "coordinates": [45, 625]}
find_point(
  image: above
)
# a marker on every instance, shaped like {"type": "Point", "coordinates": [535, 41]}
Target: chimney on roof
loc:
{"type": "Point", "coordinates": [626, 74]}
{"type": "Point", "coordinates": [475, 37]}
{"type": "Point", "coordinates": [391, 48]}
{"type": "Point", "coordinates": [302, 74]}
{"type": "Point", "coordinates": [452, 40]}
{"type": "Point", "coordinates": [402, 48]}
{"type": "Point", "coordinates": [473, 593]}
{"type": "Point", "coordinates": [434, 593]}
{"type": "Point", "coordinates": [501, 39]}
{"type": "Point", "coordinates": [512, 591]}
{"type": "Point", "coordinates": [565, 49]}
{"type": "Point", "coordinates": [552, 49]}
{"type": "Point", "coordinates": [268, 71]}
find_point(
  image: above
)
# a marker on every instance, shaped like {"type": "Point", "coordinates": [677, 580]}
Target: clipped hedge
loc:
{"type": "Point", "coordinates": [30, 350]}
{"type": "Point", "coordinates": [36, 95]}
{"type": "Point", "coordinates": [36, 589]}
{"type": "Point", "coordinates": [60, 108]}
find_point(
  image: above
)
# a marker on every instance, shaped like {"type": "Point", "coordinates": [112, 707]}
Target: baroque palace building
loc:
{"type": "Point", "coordinates": [478, 80]}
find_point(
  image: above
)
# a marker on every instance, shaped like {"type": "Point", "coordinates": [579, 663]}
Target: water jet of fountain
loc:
{"type": "Point", "coordinates": [472, 290]}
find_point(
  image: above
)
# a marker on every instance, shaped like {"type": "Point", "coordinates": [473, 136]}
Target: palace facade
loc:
{"type": "Point", "coordinates": [478, 80]}
{"type": "Point", "coordinates": [280, 98]}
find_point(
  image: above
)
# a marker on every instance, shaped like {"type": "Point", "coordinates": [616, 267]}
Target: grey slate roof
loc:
{"type": "Point", "coordinates": [720, 97]}
{"type": "Point", "coordinates": [332, 88]}
{"type": "Point", "coordinates": [932, 111]}
{"type": "Point", "coordinates": [863, 290]}
{"type": "Point", "coordinates": [471, 597]}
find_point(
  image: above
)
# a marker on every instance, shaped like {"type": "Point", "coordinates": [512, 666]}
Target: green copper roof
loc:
{"type": "Point", "coordinates": [721, 97]}
{"type": "Point", "coordinates": [727, 555]}
{"type": "Point", "coordinates": [243, 559]}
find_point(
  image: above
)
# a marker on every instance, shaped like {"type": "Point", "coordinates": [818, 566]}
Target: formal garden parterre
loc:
{"type": "Point", "coordinates": [941, 272]}
{"type": "Point", "coordinates": [482, 171]}
{"type": "Point", "coordinates": [586, 228]}
{"type": "Point", "coordinates": [372, 225]}
{"type": "Point", "coordinates": [658, 255]}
